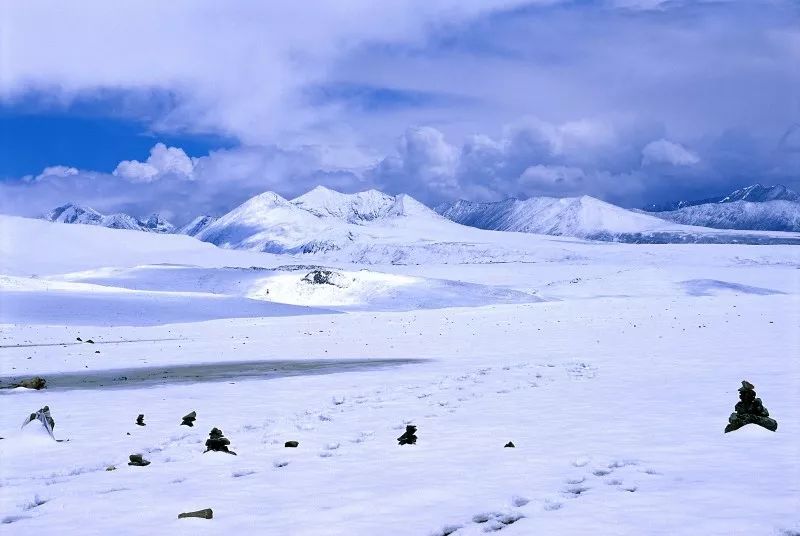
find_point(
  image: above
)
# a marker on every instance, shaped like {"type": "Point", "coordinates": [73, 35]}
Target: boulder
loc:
{"type": "Point", "coordinates": [37, 382]}
{"type": "Point", "coordinates": [509, 445]}
{"type": "Point", "coordinates": [140, 420]}
{"type": "Point", "coordinates": [291, 444]}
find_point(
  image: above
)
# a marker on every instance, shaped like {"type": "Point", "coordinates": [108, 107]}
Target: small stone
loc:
{"type": "Point", "coordinates": [90, 341]}
{"type": "Point", "coordinates": [138, 460]}
{"type": "Point", "coordinates": [409, 436]}
{"type": "Point", "coordinates": [205, 513]}
{"type": "Point", "coordinates": [188, 419]}
{"type": "Point", "coordinates": [78, 339]}
{"type": "Point", "coordinates": [97, 351]}
{"type": "Point", "coordinates": [509, 445]}
{"type": "Point", "coordinates": [111, 468]}
{"type": "Point", "coordinates": [140, 420]}
{"type": "Point", "coordinates": [291, 444]}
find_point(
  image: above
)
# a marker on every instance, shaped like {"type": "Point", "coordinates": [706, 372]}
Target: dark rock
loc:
{"type": "Point", "coordinates": [750, 410]}
{"type": "Point", "coordinates": [138, 461]}
{"type": "Point", "coordinates": [78, 339]}
{"type": "Point", "coordinates": [291, 444]}
{"type": "Point", "coordinates": [90, 341]}
{"type": "Point", "coordinates": [409, 436]}
{"type": "Point", "coordinates": [188, 419]}
{"type": "Point", "coordinates": [140, 420]}
{"type": "Point", "coordinates": [111, 468]}
{"type": "Point", "coordinates": [37, 382]}
{"type": "Point", "coordinates": [217, 442]}
{"type": "Point", "coordinates": [97, 351]}
{"type": "Point", "coordinates": [319, 277]}
{"type": "Point", "coordinates": [509, 445]}
{"type": "Point", "coordinates": [206, 513]}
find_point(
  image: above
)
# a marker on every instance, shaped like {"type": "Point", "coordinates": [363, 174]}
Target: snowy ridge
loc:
{"type": "Point", "coordinates": [755, 193]}
{"type": "Point", "coordinates": [72, 213]}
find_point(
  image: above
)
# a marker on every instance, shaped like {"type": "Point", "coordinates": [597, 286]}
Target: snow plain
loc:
{"type": "Point", "coordinates": [612, 367]}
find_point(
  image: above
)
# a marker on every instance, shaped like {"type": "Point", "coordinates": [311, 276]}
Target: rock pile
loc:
{"type": "Point", "coordinates": [188, 419]}
{"type": "Point", "coordinates": [409, 436]}
{"type": "Point", "coordinates": [749, 410]}
{"type": "Point", "coordinates": [217, 442]}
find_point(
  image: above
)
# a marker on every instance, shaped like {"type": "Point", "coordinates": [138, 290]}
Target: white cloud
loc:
{"type": "Point", "coordinates": [667, 152]}
{"type": "Point", "coordinates": [57, 171]}
{"type": "Point", "coordinates": [163, 161]}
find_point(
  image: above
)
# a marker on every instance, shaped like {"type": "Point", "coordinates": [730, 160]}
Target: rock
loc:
{"type": "Point", "coordinates": [509, 445]}
{"type": "Point", "coordinates": [140, 420]}
{"type": "Point", "coordinates": [749, 410]}
{"type": "Point", "coordinates": [409, 436]}
{"type": "Point", "coordinates": [188, 419]}
{"type": "Point", "coordinates": [44, 417]}
{"type": "Point", "coordinates": [97, 351]}
{"type": "Point", "coordinates": [138, 460]}
{"type": "Point", "coordinates": [217, 442]}
{"type": "Point", "coordinates": [206, 513]}
{"type": "Point", "coordinates": [291, 444]}
{"type": "Point", "coordinates": [37, 382]}
{"type": "Point", "coordinates": [89, 341]}
{"type": "Point", "coordinates": [111, 468]}
{"type": "Point", "coordinates": [78, 339]}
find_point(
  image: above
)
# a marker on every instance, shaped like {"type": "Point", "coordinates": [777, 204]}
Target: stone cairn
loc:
{"type": "Point", "coordinates": [140, 420]}
{"type": "Point", "coordinates": [409, 436]}
{"type": "Point", "coordinates": [217, 442]}
{"type": "Point", "coordinates": [749, 410]}
{"type": "Point", "coordinates": [188, 419]}
{"type": "Point", "coordinates": [137, 460]}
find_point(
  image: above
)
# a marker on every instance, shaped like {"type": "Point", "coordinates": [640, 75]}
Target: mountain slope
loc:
{"type": "Point", "coordinates": [196, 225]}
{"type": "Point", "coordinates": [72, 213]}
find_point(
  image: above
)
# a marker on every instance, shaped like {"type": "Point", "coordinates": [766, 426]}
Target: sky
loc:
{"type": "Point", "coordinates": [191, 107]}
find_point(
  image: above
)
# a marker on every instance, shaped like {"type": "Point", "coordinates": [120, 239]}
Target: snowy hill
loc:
{"type": "Point", "coordinates": [196, 225]}
{"type": "Point", "coordinates": [72, 213]}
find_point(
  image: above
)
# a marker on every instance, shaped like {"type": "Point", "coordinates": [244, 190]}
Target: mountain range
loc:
{"type": "Point", "coordinates": [374, 226]}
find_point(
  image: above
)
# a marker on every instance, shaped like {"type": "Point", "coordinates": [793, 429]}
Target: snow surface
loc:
{"type": "Point", "coordinates": [612, 367]}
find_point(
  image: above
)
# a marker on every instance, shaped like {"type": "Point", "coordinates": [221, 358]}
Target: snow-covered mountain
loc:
{"type": "Point", "coordinates": [72, 213]}
{"type": "Point", "coordinates": [755, 193]}
{"type": "Point", "coordinates": [196, 225]}
{"type": "Point", "coordinates": [324, 220]}
{"type": "Point", "coordinates": [757, 207]}
{"type": "Point", "coordinates": [581, 217]}
{"type": "Point", "coordinates": [764, 215]}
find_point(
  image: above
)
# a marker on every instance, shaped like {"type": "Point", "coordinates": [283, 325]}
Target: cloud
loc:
{"type": "Point", "coordinates": [666, 152]}
{"type": "Point", "coordinates": [163, 161]}
{"type": "Point", "coordinates": [57, 171]}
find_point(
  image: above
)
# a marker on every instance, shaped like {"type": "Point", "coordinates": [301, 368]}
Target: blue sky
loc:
{"type": "Point", "coordinates": [632, 101]}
